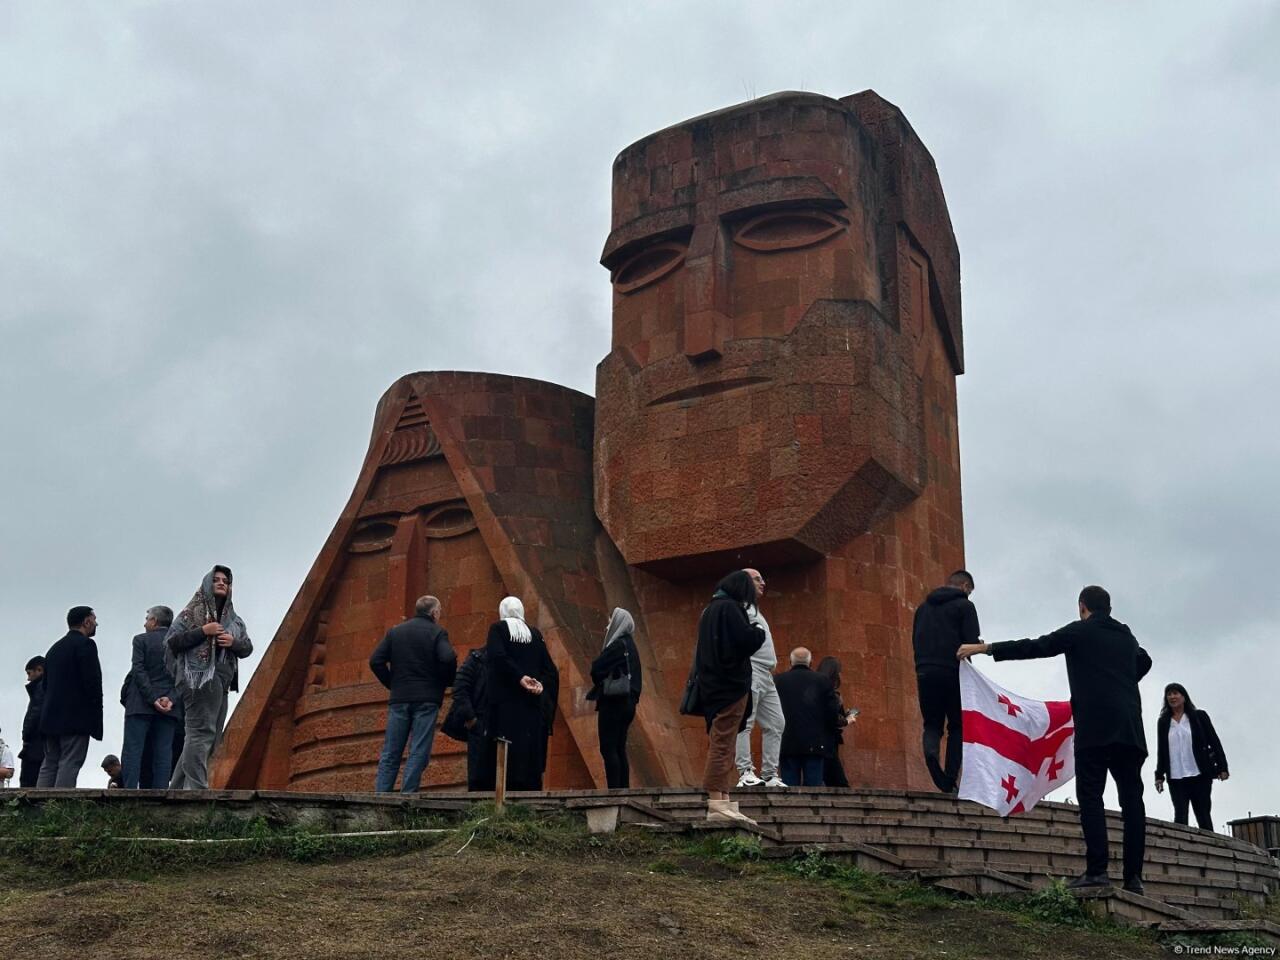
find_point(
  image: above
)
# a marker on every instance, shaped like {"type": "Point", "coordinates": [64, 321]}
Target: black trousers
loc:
{"type": "Point", "coordinates": [612, 723]}
{"type": "Point", "coordinates": [32, 757]}
{"type": "Point", "coordinates": [482, 762]}
{"type": "Point", "coordinates": [1124, 763]}
{"type": "Point", "coordinates": [939, 689]}
{"type": "Point", "coordinates": [1196, 791]}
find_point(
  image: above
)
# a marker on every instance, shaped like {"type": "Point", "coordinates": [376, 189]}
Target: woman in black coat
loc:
{"type": "Point", "coordinates": [1188, 754]}
{"type": "Point", "coordinates": [618, 666]}
{"type": "Point", "coordinates": [522, 685]}
{"type": "Point", "coordinates": [722, 663]}
{"type": "Point", "coordinates": [833, 774]}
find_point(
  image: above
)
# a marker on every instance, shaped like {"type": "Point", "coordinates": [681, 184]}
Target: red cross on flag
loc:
{"type": "Point", "coordinates": [1015, 750]}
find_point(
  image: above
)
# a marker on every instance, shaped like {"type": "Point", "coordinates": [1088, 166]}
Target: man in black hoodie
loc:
{"type": "Point", "coordinates": [946, 620]}
{"type": "Point", "coordinates": [1104, 665]}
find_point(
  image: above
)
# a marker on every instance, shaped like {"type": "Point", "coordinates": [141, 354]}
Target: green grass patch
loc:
{"type": "Point", "coordinates": [64, 841]}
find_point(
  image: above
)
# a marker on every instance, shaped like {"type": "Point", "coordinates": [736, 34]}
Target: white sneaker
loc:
{"type": "Point", "coordinates": [775, 782]}
{"type": "Point", "coordinates": [749, 779]}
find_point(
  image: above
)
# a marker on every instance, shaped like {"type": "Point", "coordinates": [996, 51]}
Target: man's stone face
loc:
{"type": "Point", "coordinates": [751, 406]}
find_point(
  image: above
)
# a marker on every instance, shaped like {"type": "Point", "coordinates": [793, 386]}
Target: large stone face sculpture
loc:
{"type": "Point", "coordinates": [780, 393]}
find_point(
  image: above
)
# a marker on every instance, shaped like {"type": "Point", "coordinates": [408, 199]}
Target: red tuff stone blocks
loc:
{"type": "Point", "coordinates": [780, 393]}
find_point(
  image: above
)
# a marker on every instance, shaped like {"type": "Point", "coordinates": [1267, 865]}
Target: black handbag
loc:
{"type": "Point", "coordinates": [691, 702]}
{"type": "Point", "coordinates": [618, 685]}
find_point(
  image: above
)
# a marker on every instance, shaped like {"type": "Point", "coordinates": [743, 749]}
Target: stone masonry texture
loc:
{"type": "Point", "coordinates": [780, 393]}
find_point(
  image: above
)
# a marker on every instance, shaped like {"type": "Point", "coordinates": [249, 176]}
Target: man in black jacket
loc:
{"type": "Point", "coordinates": [1104, 665]}
{"type": "Point", "coordinates": [946, 620]}
{"type": "Point", "coordinates": [416, 663]}
{"type": "Point", "coordinates": [32, 752]}
{"type": "Point", "coordinates": [72, 709]}
{"type": "Point", "coordinates": [813, 716]}
{"type": "Point", "coordinates": [151, 705]}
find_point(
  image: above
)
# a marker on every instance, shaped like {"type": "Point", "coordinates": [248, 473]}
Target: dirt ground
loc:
{"type": "Point", "coordinates": [481, 903]}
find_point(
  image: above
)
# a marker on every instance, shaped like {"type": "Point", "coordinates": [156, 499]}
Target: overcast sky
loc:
{"type": "Point", "coordinates": [225, 229]}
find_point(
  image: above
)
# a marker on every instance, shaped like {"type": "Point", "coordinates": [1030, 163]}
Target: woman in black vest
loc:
{"type": "Point", "coordinates": [1189, 754]}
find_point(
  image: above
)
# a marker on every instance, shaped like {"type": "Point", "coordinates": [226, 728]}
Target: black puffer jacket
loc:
{"type": "Point", "coordinates": [415, 661]}
{"type": "Point", "coordinates": [946, 619]}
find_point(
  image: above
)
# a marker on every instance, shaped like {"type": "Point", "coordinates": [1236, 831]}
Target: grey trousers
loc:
{"type": "Point", "coordinates": [205, 711]}
{"type": "Point", "coordinates": [63, 758]}
{"type": "Point", "coordinates": [766, 709]}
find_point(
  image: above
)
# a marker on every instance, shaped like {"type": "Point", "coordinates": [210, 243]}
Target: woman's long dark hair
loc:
{"type": "Point", "coordinates": [1187, 705]}
{"type": "Point", "coordinates": [830, 668]}
{"type": "Point", "coordinates": [738, 586]}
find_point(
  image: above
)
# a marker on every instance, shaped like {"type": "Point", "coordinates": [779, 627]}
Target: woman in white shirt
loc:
{"type": "Point", "coordinates": [1189, 755]}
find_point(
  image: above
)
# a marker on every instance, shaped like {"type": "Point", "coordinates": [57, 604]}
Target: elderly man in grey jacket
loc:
{"type": "Point", "coordinates": [766, 708]}
{"type": "Point", "coordinates": [152, 707]}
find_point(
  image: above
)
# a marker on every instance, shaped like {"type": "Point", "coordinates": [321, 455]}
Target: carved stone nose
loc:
{"type": "Point", "coordinates": [706, 322]}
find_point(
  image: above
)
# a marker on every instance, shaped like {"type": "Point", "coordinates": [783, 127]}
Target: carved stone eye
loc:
{"type": "Point", "coordinates": [787, 230]}
{"type": "Point", "coordinates": [372, 536]}
{"type": "Point", "coordinates": [452, 520]}
{"type": "Point", "coordinates": [648, 266]}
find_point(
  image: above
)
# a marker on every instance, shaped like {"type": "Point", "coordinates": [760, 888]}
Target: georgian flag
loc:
{"type": "Point", "coordinates": [1015, 750]}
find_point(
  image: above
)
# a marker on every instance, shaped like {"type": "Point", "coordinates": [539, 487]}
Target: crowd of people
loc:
{"type": "Point", "coordinates": [505, 694]}
{"type": "Point", "coordinates": [504, 698]}
{"type": "Point", "coordinates": [174, 696]}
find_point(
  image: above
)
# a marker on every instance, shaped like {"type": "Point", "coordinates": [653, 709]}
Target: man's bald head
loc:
{"type": "Point", "coordinates": [801, 657]}
{"type": "Point", "coordinates": [757, 578]}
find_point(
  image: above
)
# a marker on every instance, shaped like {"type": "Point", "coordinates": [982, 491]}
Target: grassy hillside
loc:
{"type": "Point", "coordinates": [517, 886]}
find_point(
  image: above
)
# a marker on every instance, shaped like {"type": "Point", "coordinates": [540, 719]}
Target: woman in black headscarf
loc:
{"type": "Point", "coordinates": [1189, 754]}
{"type": "Point", "coordinates": [615, 676]}
{"type": "Point", "coordinates": [522, 685]}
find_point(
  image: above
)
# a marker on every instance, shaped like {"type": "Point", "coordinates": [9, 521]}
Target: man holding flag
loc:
{"type": "Point", "coordinates": [1104, 665]}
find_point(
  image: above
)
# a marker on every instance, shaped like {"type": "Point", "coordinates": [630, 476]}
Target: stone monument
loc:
{"type": "Point", "coordinates": [780, 393]}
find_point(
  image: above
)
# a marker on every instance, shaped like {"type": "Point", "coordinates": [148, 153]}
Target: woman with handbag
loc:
{"type": "Point", "coordinates": [1189, 754]}
{"type": "Point", "coordinates": [615, 675]}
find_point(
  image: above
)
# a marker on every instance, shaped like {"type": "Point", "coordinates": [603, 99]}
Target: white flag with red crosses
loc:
{"type": "Point", "coordinates": [1016, 750]}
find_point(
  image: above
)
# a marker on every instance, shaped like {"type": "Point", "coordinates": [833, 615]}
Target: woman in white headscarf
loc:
{"type": "Point", "coordinates": [616, 691]}
{"type": "Point", "coordinates": [522, 687]}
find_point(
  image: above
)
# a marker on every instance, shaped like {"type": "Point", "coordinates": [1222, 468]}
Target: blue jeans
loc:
{"type": "Point", "coordinates": [412, 723]}
{"type": "Point", "coordinates": [801, 771]}
{"type": "Point", "coordinates": [150, 733]}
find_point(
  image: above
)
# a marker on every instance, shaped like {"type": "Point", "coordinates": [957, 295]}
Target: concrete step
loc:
{"type": "Point", "coordinates": [863, 856]}
{"type": "Point", "coordinates": [1264, 929]}
{"type": "Point", "coordinates": [974, 881]}
{"type": "Point", "coordinates": [1131, 908]}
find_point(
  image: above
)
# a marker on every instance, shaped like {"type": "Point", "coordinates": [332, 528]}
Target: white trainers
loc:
{"type": "Point", "coordinates": [749, 779]}
{"type": "Point", "coordinates": [775, 782]}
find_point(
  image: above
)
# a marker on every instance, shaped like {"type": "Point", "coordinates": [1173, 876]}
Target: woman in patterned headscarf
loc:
{"type": "Point", "coordinates": [205, 644]}
{"type": "Point", "coordinates": [522, 688]}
